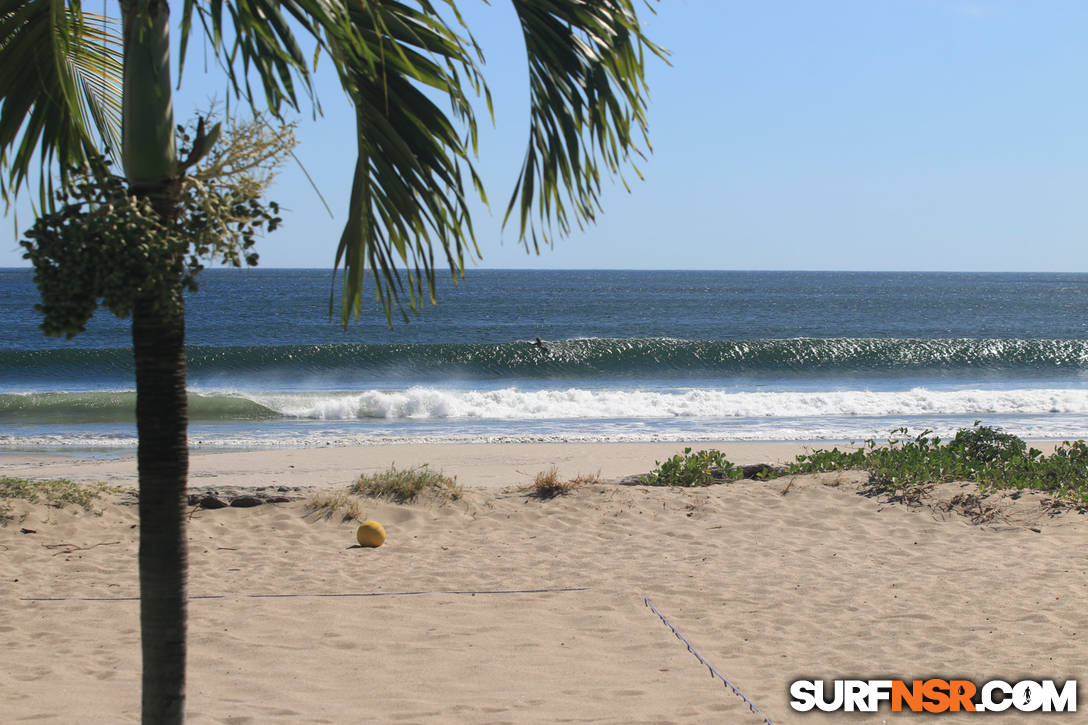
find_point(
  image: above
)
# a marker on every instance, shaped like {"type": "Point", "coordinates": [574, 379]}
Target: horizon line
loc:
{"type": "Point", "coordinates": [646, 269]}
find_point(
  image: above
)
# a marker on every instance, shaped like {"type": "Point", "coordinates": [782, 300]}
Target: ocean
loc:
{"type": "Point", "coordinates": [629, 356]}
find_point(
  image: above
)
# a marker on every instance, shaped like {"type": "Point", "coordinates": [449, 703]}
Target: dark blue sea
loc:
{"type": "Point", "coordinates": [628, 356]}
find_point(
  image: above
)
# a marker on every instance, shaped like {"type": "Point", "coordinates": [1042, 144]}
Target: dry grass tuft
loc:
{"type": "Point", "coordinates": [548, 485]}
{"type": "Point", "coordinates": [583, 479]}
{"type": "Point", "coordinates": [407, 485]}
{"type": "Point", "coordinates": [326, 505]}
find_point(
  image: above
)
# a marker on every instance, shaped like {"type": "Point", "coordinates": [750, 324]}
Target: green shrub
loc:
{"type": "Point", "coordinates": [703, 468]}
{"type": "Point", "coordinates": [984, 444]}
{"type": "Point", "coordinates": [988, 456]}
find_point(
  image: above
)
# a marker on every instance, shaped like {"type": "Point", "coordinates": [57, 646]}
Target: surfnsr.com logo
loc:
{"type": "Point", "coordinates": [933, 695]}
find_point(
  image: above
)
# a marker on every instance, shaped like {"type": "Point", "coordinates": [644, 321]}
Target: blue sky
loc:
{"type": "Point", "coordinates": [866, 135]}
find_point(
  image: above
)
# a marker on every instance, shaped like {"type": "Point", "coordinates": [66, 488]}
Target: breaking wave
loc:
{"type": "Point", "coordinates": [513, 404]}
{"type": "Point", "coordinates": [584, 359]}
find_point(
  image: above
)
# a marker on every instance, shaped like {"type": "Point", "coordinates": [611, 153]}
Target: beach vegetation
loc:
{"type": "Point", "coordinates": [547, 484]}
{"type": "Point", "coordinates": [57, 493]}
{"type": "Point", "coordinates": [698, 468]}
{"type": "Point", "coordinates": [77, 87]}
{"type": "Point", "coordinates": [327, 504]}
{"type": "Point", "coordinates": [407, 484]}
{"type": "Point", "coordinates": [908, 464]}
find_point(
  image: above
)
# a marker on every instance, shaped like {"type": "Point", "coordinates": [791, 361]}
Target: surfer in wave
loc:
{"type": "Point", "coordinates": [539, 344]}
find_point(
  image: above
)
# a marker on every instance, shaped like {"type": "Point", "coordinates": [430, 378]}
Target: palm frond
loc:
{"type": "Point", "coordinates": [94, 59]}
{"type": "Point", "coordinates": [408, 196]}
{"type": "Point", "coordinates": [588, 94]}
{"type": "Point", "coordinates": [255, 38]}
{"type": "Point", "coordinates": [60, 86]}
{"type": "Point", "coordinates": [408, 192]}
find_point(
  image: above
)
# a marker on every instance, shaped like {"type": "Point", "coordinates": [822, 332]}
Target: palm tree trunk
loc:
{"type": "Point", "coordinates": [158, 340]}
{"type": "Point", "coordinates": [148, 151]}
{"type": "Point", "coordinates": [161, 419]}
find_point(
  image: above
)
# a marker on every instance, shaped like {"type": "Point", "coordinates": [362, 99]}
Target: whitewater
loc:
{"type": "Point", "coordinates": [630, 356]}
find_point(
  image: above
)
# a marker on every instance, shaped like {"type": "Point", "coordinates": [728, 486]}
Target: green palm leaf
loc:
{"type": "Point", "coordinates": [60, 87]}
{"type": "Point", "coordinates": [588, 95]}
{"type": "Point", "coordinates": [408, 191]}
{"type": "Point", "coordinates": [414, 162]}
{"type": "Point", "coordinates": [254, 38]}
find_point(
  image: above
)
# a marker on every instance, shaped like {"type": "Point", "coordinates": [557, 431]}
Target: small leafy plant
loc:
{"type": "Point", "coordinates": [994, 459]}
{"type": "Point", "coordinates": [57, 493]}
{"type": "Point", "coordinates": [703, 468]}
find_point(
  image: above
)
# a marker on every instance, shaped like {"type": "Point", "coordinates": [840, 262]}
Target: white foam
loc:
{"type": "Point", "coordinates": [816, 430]}
{"type": "Point", "coordinates": [425, 403]}
{"type": "Point", "coordinates": [426, 414]}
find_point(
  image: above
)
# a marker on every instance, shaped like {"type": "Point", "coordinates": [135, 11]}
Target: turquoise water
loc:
{"type": "Point", "coordinates": [629, 356]}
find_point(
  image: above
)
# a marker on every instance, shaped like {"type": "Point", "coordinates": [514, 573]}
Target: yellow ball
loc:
{"type": "Point", "coordinates": [370, 533]}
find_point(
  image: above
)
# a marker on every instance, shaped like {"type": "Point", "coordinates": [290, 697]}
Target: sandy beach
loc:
{"type": "Point", "coordinates": [505, 608]}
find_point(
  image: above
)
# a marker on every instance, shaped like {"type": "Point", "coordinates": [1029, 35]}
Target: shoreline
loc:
{"type": "Point", "coordinates": [474, 465]}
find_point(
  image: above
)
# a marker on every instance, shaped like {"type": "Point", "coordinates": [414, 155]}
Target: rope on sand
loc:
{"type": "Point", "coordinates": [473, 592]}
{"type": "Point", "coordinates": [713, 672]}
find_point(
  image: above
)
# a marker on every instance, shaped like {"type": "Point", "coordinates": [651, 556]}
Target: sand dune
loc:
{"type": "Point", "coordinates": [771, 582]}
